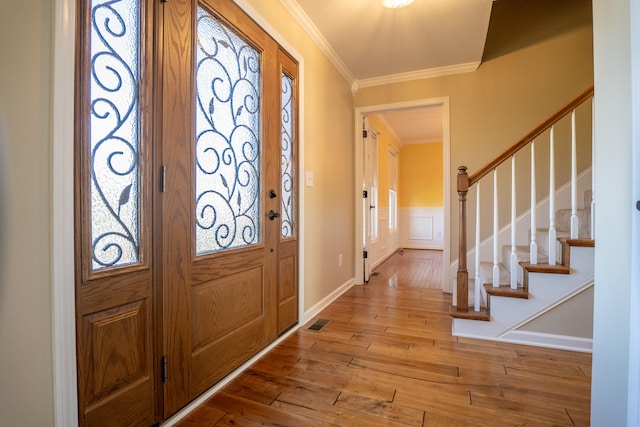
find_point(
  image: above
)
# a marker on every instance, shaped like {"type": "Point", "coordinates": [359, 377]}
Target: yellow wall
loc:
{"type": "Point", "coordinates": [385, 139]}
{"type": "Point", "coordinates": [421, 182]}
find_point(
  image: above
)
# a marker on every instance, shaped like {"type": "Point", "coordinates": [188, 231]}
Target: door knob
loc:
{"type": "Point", "coordinates": [273, 215]}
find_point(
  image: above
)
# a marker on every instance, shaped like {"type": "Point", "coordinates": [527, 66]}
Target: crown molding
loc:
{"type": "Point", "coordinates": [309, 27]}
{"type": "Point", "coordinates": [420, 74]}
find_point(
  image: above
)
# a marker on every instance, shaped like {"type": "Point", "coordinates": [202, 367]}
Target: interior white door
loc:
{"type": "Point", "coordinates": [369, 193]}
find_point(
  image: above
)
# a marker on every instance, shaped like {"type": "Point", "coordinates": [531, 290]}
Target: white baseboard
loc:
{"type": "Point", "coordinates": [539, 339]}
{"type": "Point", "coordinates": [427, 247]}
{"type": "Point", "coordinates": [324, 303]}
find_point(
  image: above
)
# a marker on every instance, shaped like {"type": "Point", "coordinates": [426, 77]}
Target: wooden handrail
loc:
{"type": "Point", "coordinates": [550, 121]}
{"type": "Point", "coordinates": [465, 181]}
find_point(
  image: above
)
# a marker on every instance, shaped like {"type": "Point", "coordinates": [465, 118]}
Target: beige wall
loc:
{"type": "Point", "coordinates": [569, 318]}
{"type": "Point", "coordinates": [26, 369]}
{"type": "Point", "coordinates": [505, 98]}
{"type": "Point", "coordinates": [328, 153]}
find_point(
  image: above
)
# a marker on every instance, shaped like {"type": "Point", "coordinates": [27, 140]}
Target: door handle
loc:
{"type": "Point", "coordinates": [273, 215]}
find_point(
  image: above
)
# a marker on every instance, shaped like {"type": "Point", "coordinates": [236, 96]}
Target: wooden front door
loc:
{"type": "Point", "coordinates": [211, 207]}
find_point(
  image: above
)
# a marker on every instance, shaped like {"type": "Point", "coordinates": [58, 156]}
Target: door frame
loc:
{"type": "Point", "coordinates": [360, 113]}
{"type": "Point", "coordinates": [65, 395]}
{"type": "Point", "coordinates": [633, 411]}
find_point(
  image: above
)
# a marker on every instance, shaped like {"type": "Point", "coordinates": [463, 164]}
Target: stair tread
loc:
{"type": "Point", "coordinates": [506, 291]}
{"type": "Point", "coordinates": [546, 268]}
{"type": "Point", "coordinates": [470, 314]}
{"type": "Point", "coordinates": [581, 242]}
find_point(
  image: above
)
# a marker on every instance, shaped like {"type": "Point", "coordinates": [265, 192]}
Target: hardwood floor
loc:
{"type": "Point", "coordinates": [387, 358]}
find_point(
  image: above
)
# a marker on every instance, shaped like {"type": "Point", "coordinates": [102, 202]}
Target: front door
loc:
{"type": "Point", "coordinates": [222, 207]}
{"type": "Point", "coordinates": [206, 204]}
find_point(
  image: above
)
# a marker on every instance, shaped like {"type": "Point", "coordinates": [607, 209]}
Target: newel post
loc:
{"type": "Point", "coordinates": [462, 300]}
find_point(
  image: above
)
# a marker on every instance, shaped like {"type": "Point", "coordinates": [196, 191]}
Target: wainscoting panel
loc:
{"type": "Point", "coordinates": [421, 227]}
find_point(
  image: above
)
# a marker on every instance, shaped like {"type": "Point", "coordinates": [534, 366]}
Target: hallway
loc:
{"type": "Point", "coordinates": [387, 357]}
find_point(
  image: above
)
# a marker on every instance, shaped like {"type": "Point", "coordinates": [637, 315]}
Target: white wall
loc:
{"type": "Point", "coordinates": [613, 154]}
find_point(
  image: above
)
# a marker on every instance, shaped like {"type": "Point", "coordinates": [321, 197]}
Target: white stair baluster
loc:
{"type": "Point", "coordinates": [593, 170]}
{"type": "Point", "coordinates": [514, 255]}
{"type": "Point", "coordinates": [478, 285]}
{"type": "Point", "coordinates": [496, 267]}
{"type": "Point", "coordinates": [533, 245]}
{"type": "Point", "coordinates": [552, 201]}
{"type": "Point", "coordinates": [574, 179]}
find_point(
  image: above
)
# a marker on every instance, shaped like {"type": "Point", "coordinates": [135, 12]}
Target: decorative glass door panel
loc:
{"type": "Point", "coordinates": [114, 119]}
{"type": "Point", "coordinates": [286, 171]}
{"type": "Point", "coordinates": [227, 138]}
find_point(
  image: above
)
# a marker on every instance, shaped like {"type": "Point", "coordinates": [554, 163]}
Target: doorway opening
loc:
{"type": "Point", "coordinates": [419, 108]}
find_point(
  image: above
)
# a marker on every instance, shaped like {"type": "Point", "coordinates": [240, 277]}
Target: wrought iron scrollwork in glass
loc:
{"type": "Point", "coordinates": [227, 138]}
{"type": "Point", "coordinates": [114, 92]}
{"type": "Point", "coordinates": [287, 157]}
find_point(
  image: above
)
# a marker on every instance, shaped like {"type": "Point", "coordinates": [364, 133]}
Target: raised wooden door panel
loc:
{"type": "Point", "coordinates": [114, 279]}
{"type": "Point", "coordinates": [116, 384]}
{"type": "Point", "coordinates": [231, 316]}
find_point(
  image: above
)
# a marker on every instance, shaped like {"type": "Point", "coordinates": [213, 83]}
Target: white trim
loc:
{"type": "Point", "coordinates": [324, 302]}
{"type": "Point", "coordinates": [539, 339]}
{"type": "Point", "coordinates": [360, 112]}
{"type": "Point", "coordinates": [309, 27]}
{"type": "Point", "coordinates": [419, 74]}
{"type": "Point", "coordinates": [633, 398]}
{"type": "Point", "coordinates": [65, 395]}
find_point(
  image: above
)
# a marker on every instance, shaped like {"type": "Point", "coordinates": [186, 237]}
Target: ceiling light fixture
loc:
{"type": "Point", "coordinates": [396, 4]}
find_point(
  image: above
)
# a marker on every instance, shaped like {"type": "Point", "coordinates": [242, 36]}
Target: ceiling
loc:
{"type": "Point", "coordinates": [375, 42]}
{"type": "Point", "coordinates": [371, 45]}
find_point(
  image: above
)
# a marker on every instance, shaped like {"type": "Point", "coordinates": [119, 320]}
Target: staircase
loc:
{"type": "Point", "coordinates": [512, 284]}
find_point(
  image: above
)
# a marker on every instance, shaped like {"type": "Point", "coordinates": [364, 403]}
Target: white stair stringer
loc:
{"type": "Point", "coordinates": [546, 291]}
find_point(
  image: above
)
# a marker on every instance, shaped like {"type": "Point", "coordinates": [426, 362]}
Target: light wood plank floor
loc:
{"type": "Point", "coordinates": [387, 358]}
